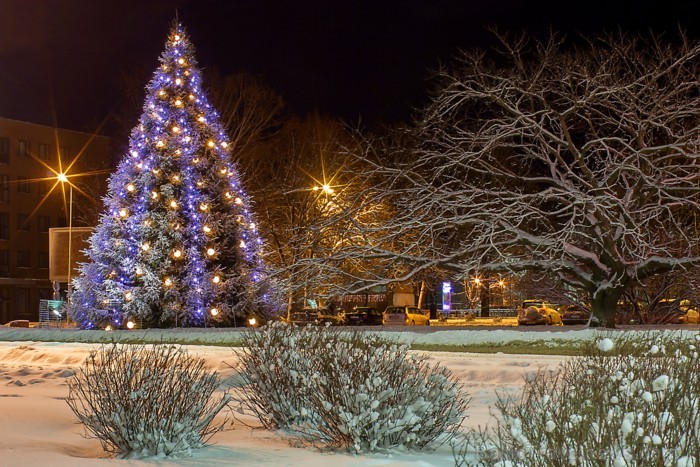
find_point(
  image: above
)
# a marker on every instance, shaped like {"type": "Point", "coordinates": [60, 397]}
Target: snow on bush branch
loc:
{"type": "Point", "coordinates": [146, 400]}
{"type": "Point", "coordinates": [347, 391]}
{"type": "Point", "coordinates": [631, 404]}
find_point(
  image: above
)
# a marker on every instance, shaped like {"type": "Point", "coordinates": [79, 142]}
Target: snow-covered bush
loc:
{"type": "Point", "coordinates": [347, 390]}
{"type": "Point", "coordinates": [628, 402]}
{"type": "Point", "coordinates": [146, 400]}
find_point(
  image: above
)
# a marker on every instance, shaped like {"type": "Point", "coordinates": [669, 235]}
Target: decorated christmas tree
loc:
{"type": "Point", "coordinates": [177, 244]}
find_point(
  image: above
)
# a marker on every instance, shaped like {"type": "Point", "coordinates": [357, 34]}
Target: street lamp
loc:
{"type": "Point", "coordinates": [63, 178]}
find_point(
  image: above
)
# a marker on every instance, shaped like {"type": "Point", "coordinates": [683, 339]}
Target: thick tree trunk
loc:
{"type": "Point", "coordinates": [604, 306]}
{"type": "Point", "coordinates": [485, 295]}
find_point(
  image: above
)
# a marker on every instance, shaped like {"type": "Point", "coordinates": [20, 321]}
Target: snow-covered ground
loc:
{"type": "Point", "coordinates": [38, 428]}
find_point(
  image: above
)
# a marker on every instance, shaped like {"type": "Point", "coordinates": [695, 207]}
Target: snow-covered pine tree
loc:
{"type": "Point", "coordinates": [177, 244]}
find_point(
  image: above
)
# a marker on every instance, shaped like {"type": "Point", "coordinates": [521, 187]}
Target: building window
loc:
{"type": "Point", "coordinates": [4, 226]}
{"type": "Point", "coordinates": [42, 187]}
{"type": "Point", "coordinates": [23, 222]}
{"type": "Point", "coordinates": [4, 263]}
{"type": "Point", "coordinates": [43, 257]}
{"type": "Point", "coordinates": [4, 150]}
{"type": "Point", "coordinates": [23, 148]}
{"type": "Point", "coordinates": [44, 223]}
{"type": "Point", "coordinates": [43, 151]}
{"type": "Point", "coordinates": [4, 188]}
{"type": "Point", "coordinates": [23, 185]}
{"type": "Point", "coordinates": [22, 300]}
{"type": "Point", "coordinates": [45, 293]}
{"type": "Point", "coordinates": [23, 259]}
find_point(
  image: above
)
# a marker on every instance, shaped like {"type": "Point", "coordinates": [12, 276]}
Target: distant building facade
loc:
{"type": "Point", "coordinates": [31, 202]}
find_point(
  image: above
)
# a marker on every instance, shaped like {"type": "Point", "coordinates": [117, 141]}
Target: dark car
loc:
{"type": "Point", "coordinates": [334, 317]}
{"type": "Point", "coordinates": [574, 314]}
{"type": "Point", "coordinates": [304, 316]}
{"type": "Point", "coordinates": [363, 316]}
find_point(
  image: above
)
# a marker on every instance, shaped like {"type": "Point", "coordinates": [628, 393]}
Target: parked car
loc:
{"type": "Point", "coordinates": [334, 317]}
{"type": "Point", "coordinates": [574, 314]}
{"type": "Point", "coordinates": [304, 316]}
{"type": "Point", "coordinates": [538, 312]}
{"type": "Point", "coordinates": [683, 312]}
{"type": "Point", "coordinates": [363, 316]}
{"type": "Point", "coordinates": [405, 315]}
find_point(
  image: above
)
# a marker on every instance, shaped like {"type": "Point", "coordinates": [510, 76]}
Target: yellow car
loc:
{"type": "Point", "coordinates": [684, 313]}
{"type": "Point", "coordinates": [538, 312]}
{"type": "Point", "coordinates": [405, 315]}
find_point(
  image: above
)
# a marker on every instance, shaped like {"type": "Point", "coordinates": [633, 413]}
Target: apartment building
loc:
{"type": "Point", "coordinates": [32, 201]}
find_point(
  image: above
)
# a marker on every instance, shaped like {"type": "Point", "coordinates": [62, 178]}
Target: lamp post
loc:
{"type": "Point", "coordinates": [64, 179]}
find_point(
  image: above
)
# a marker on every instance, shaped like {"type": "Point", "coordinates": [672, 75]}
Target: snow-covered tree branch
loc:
{"type": "Point", "coordinates": [577, 160]}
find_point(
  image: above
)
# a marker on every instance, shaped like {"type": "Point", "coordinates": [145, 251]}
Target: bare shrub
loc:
{"type": "Point", "coordinates": [146, 400]}
{"type": "Point", "coordinates": [629, 402]}
{"type": "Point", "coordinates": [347, 391]}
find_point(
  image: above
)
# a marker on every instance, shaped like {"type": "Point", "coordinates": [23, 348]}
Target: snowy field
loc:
{"type": "Point", "coordinates": [38, 428]}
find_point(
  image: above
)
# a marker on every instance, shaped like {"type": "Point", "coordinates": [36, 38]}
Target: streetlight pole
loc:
{"type": "Point", "coordinates": [64, 179]}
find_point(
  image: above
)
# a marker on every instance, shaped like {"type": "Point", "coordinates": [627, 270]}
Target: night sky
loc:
{"type": "Point", "coordinates": [343, 58]}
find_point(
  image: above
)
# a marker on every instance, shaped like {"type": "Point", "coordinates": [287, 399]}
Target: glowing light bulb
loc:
{"type": "Point", "coordinates": [161, 93]}
{"type": "Point", "coordinates": [130, 188]}
{"type": "Point", "coordinates": [123, 212]}
{"type": "Point", "coordinates": [252, 321]}
{"type": "Point", "coordinates": [195, 160]}
{"type": "Point", "coordinates": [130, 325]}
{"type": "Point", "coordinates": [203, 206]}
{"type": "Point", "coordinates": [176, 129]}
{"type": "Point", "coordinates": [176, 178]}
{"type": "Point", "coordinates": [178, 103]}
{"type": "Point", "coordinates": [223, 171]}
{"type": "Point", "coordinates": [211, 143]}
{"type": "Point", "coordinates": [145, 246]}
{"type": "Point", "coordinates": [139, 271]}
{"type": "Point", "coordinates": [168, 282]}
{"type": "Point", "coordinates": [200, 182]}
{"type": "Point", "coordinates": [201, 119]}
{"type": "Point", "coordinates": [139, 165]}
{"type": "Point", "coordinates": [238, 201]}
{"type": "Point", "coordinates": [181, 61]}
{"type": "Point", "coordinates": [224, 144]}
{"type": "Point", "coordinates": [134, 154]}
{"type": "Point", "coordinates": [252, 225]}
{"type": "Point", "coordinates": [128, 295]}
{"type": "Point", "coordinates": [154, 195]}
{"type": "Point", "coordinates": [206, 229]}
{"type": "Point", "coordinates": [177, 253]}
{"type": "Point", "coordinates": [228, 195]}
{"type": "Point", "coordinates": [242, 244]}
{"type": "Point", "coordinates": [216, 279]}
{"type": "Point", "coordinates": [191, 97]}
{"type": "Point", "coordinates": [155, 171]}
{"type": "Point", "coordinates": [214, 311]}
{"type": "Point", "coordinates": [211, 251]}
{"type": "Point", "coordinates": [108, 328]}
{"type": "Point", "coordinates": [187, 139]}
{"type": "Point", "coordinates": [173, 204]}
{"type": "Point", "coordinates": [177, 37]}
{"type": "Point", "coordinates": [178, 81]}
{"type": "Point", "coordinates": [160, 143]}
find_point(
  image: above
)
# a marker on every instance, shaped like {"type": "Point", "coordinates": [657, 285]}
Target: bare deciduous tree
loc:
{"type": "Point", "coordinates": [581, 161]}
